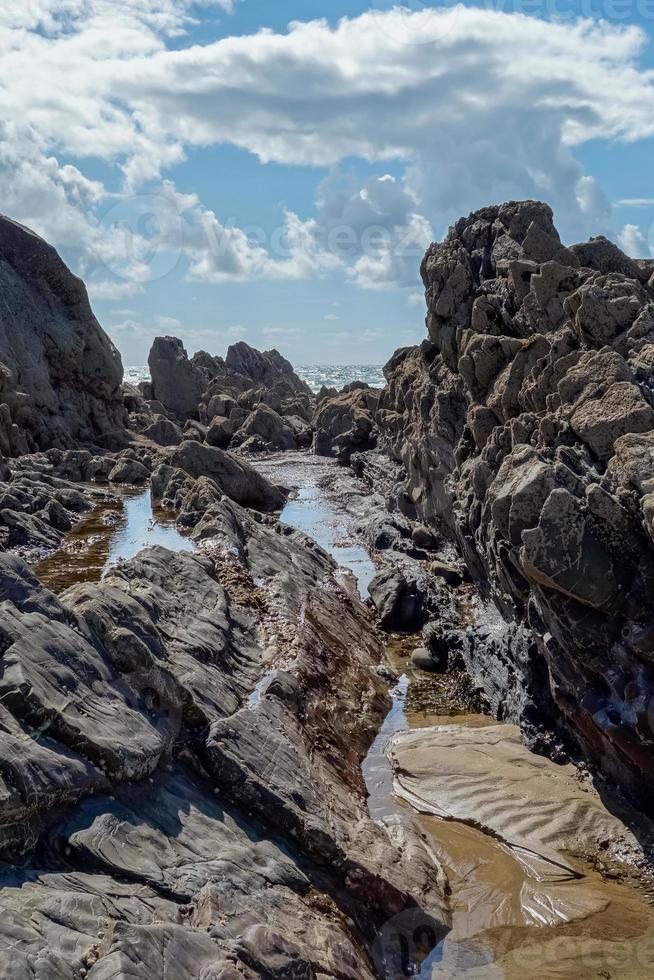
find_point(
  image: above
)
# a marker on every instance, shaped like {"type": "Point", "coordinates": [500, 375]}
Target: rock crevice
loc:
{"type": "Point", "coordinates": [524, 425]}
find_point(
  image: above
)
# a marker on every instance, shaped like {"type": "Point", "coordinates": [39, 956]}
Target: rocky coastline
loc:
{"type": "Point", "coordinates": [183, 734]}
{"type": "Point", "coordinates": [522, 432]}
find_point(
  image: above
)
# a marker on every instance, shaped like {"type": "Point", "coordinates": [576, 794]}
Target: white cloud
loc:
{"type": "Point", "coordinates": [636, 202]}
{"type": "Point", "coordinates": [105, 289]}
{"type": "Point", "coordinates": [281, 331]}
{"type": "Point", "coordinates": [632, 241]}
{"type": "Point", "coordinates": [465, 122]}
{"type": "Point", "coordinates": [130, 328]}
{"type": "Point", "coordinates": [331, 317]}
{"type": "Point", "coordinates": [168, 323]}
{"type": "Point", "coordinates": [167, 16]}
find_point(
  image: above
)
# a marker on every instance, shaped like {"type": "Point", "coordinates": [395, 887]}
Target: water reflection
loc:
{"type": "Point", "coordinates": [113, 531]}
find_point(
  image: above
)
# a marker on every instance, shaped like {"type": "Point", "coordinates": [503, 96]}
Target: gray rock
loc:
{"type": "Point", "coordinates": [398, 600]}
{"type": "Point", "coordinates": [61, 375]}
{"type": "Point", "coordinates": [240, 481]}
{"type": "Point", "coordinates": [220, 432]}
{"type": "Point", "coordinates": [345, 424]}
{"type": "Point", "coordinates": [184, 822]}
{"type": "Point", "coordinates": [129, 470]}
{"type": "Point", "coordinates": [164, 433]}
{"type": "Point", "coordinates": [424, 660]}
{"type": "Point", "coordinates": [524, 427]}
{"type": "Point", "coordinates": [195, 430]}
{"type": "Point", "coordinates": [423, 537]}
{"type": "Point", "coordinates": [176, 382]}
{"type": "Point", "coordinates": [265, 430]}
{"type": "Point", "coordinates": [449, 573]}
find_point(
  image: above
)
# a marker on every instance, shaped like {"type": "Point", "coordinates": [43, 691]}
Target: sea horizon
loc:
{"type": "Point", "coordinates": [315, 375]}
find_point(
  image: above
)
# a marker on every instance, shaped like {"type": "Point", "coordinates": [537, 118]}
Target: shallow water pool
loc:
{"type": "Point", "coordinates": [113, 531]}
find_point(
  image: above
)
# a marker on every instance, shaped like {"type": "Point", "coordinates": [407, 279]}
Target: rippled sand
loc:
{"type": "Point", "coordinates": [512, 831]}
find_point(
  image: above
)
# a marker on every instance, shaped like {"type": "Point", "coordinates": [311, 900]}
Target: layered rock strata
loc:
{"type": "Point", "coordinates": [182, 789]}
{"type": "Point", "coordinates": [525, 428]}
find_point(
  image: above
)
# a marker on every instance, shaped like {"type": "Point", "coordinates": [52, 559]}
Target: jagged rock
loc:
{"type": "Point", "coordinates": [129, 470]}
{"type": "Point", "coordinates": [60, 375]}
{"type": "Point", "coordinates": [219, 405]}
{"type": "Point", "coordinates": [326, 392]}
{"type": "Point", "coordinates": [398, 600]}
{"type": "Point", "coordinates": [38, 507]}
{"type": "Point", "coordinates": [186, 814]}
{"type": "Point", "coordinates": [220, 432]}
{"type": "Point", "coordinates": [239, 388]}
{"type": "Point", "coordinates": [264, 430]}
{"type": "Point", "coordinates": [599, 422]}
{"type": "Point", "coordinates": [176, 382]}
{"type": "Point", "coordinates": [524, 426]}
{"type": "Point", "coordinates": [163, 432]}
{"type": "Point", "coordinates": [195, 430]}
{"type": "Point", "coordinates": [263, 369]}
{"type": "Point", "coordinates": [240, 481]}
{"type": "Point", "coordinates": [345, 424]}
{"type": "Point", "coordinates": [603, 256]}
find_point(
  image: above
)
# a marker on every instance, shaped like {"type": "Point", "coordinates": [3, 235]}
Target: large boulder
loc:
{"type": "Point", "coordinates": [237, 479]}
{"type": "Point", "coordinates": [220, 432]}
{"type": "Point", "coordinates": [398, 600]}
{"type": "Point", "coordinates": [345, 424]}
{"type": "Point", "coordinates": [60, 375]}
{"type": "Point", "coordinates": [176, 382]}
{"type": "Point", "coordinates": [163, 432]}
{"type": "Point", "coordinates": [264, 430]}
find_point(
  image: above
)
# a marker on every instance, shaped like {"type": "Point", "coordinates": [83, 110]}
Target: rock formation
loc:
{"type": "Point", "coordinates": [60, 375]}
{"type": "Point", "coordinates": [345, 422]}
{"type": "Point", "coordinates": [249, 400]}
{"type": "Point", "coordinates": [525, 429]}
{"type": "Point", "coordinates": [181, 748]}
{"type": "Point", "coordinates": [181, 775]}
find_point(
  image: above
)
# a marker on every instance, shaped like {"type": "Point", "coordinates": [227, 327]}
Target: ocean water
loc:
{"type": "Point", "coordinates": [315, 375]}
{"type": "Point", "coordinates": [339, 375]}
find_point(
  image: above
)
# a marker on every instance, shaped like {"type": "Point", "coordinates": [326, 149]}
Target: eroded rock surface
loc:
{"type": "Point", "coordinates": [524, 428]}
{"type": "Point", "coordinates": [60, 375]}
{"type": "Point", "coordinates": [250, 400]}
{"type": "Point", "coordinates": [181, 772]}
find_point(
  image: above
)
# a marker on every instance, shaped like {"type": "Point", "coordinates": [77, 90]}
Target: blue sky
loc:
{"type": "Point", "coordinates": [215, 174]}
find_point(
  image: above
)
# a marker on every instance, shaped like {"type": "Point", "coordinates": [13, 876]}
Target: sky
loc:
{"type": "Point", "coordinates": [274, 171]}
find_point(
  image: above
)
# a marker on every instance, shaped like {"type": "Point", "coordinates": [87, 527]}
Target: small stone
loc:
{"type": "Point", "coordinates": [423, 660]}
{"type": "Point", "coordinates": [423, 537]}
{"type": "Point", "coordinates": [451, 574]}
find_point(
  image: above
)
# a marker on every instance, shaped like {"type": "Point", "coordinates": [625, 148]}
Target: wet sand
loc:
{"type": "Point", "coordinates": [515, 914]}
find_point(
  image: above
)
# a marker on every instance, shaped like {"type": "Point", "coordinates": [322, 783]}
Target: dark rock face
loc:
{"type": "Point", "coordinates": [176, 382]}
{"type": "Point", "coordinates": [236, 478]}
{"type": "Point", "coordinates": [398, 600]}
{"type": "Point", "coordinates": [525, 426]}
{"type": "Point", "coordinates": [261, 370]}
{"type": "Point", "coordinates": [60, 375]}
{"type": "Point", "coordinates": [345, 423]}
{"type": "Point", "coordinates": [251, 400]}
{"type": "Point", "coordinates": [165, 798]}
